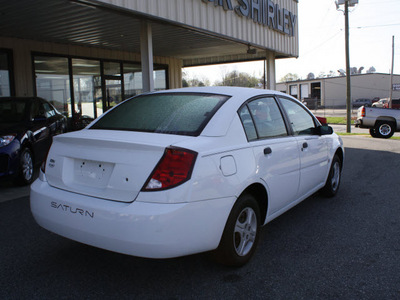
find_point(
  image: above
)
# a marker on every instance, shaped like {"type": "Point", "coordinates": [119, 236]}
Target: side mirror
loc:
{"type": "Point", "coordinates": [324, 130]}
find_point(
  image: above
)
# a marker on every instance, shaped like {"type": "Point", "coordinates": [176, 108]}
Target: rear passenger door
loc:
{"type": "Point", "coordinates": [312, 147]}
{"type": "Point", "coordinates": [275, 151]}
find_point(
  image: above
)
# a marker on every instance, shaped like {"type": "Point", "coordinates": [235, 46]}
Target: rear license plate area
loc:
{"type": "Point", "coordinates": [93, 173]}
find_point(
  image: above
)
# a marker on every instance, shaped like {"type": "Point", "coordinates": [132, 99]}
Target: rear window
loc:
{"type": "Point", "coordinates": [182, 113]}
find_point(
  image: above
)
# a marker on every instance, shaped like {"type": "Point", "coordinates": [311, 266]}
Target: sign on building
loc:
{"type": "Point", "coordinates": [396, 87]}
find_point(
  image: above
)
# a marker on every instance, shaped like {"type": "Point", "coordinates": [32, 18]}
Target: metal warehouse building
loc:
{"type": "Point", "coordinates": [87, 55]}
{"type": "Point", "coordinates": [331, 92]}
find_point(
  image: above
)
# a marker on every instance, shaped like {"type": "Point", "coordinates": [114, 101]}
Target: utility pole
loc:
{"type": "Point", "coordinates": [348, 81]}
{"type": "Point", "coordinates": [391, 76]}
{"type": "Point", "coordinates": [347, 3]}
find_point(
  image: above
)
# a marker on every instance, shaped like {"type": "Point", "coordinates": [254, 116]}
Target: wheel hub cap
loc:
{"type": "Point", "coordinates": [27, 166]}
{"type": "Point", "coordinates": [384, 129]}
{"type": "Point", "coordinates": [245, 231]}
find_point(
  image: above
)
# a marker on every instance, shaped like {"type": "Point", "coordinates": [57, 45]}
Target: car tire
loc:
{"type": "Point", "coordinates": [241, 234]}
{"type": "Point", "coordinates": [372, 132]}
{"type": "Point", "coordinates": [25, 171]}
{"type": "Point", "coordinates": [333, 181]}
{"type": "Point", "coordinates": [384, 129]}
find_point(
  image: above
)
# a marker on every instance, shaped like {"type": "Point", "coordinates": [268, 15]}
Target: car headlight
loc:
{"type": "Point", "coordinates": [6, 139]}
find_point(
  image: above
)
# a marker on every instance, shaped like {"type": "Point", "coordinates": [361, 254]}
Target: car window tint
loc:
{"type": "Point", "coordinates": [12, 110]}
{"type": "Point", "coordinates": [248, 124]}
{"type": "Point", "coordinates": [302, 122]}
{"type": "Point", "coordinates": [183, 113]}
{"type": "Point", "coordinates": [267, 118]}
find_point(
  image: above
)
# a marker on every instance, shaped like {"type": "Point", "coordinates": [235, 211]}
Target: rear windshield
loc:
{"type": "Point", "coordinates": [183, 113]}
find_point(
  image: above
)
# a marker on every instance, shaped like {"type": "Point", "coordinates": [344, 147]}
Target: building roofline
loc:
{"type": "Point", "coordinates": [335, 77]}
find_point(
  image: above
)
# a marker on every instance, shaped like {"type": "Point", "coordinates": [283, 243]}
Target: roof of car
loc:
{"type": "Point", "coordinates": [225, 90]}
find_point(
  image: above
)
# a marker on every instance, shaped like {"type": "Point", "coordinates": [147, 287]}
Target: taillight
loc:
{"type": "Point", "coordinates": [363, 111]}
{"type": "Point", "coordinates": [174, 168]}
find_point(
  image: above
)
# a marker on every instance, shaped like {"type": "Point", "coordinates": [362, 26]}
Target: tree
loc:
{"type": "Point", "coordinates": [290, 77]}
{"type": "Point", "coordinates": [371, 70]}
{"type": "Point", "coordinates": [310, 76]}
{"type": "Point", "coordinates": [187, 82]}
{"type": "Point", "coordinates": [236, 78]}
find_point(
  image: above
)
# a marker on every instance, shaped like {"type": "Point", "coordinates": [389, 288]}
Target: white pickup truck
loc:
{"type": "Point", "coordinates": [382, 122]}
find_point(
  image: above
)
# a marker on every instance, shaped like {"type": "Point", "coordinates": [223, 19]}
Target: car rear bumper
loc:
{"type": "Point", "coordinates": [150, 230]}
{"type": "Point", "coordinates": [358, 123]}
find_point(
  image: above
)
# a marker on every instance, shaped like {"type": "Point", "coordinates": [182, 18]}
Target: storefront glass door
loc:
{"type": "Point", "coordinates": [113, 93]}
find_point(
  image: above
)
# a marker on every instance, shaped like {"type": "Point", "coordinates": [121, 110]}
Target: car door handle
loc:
{"type": "Point", "coordinates": [267, 150]}
{"type": "Point", "coordinates": [305, 145]}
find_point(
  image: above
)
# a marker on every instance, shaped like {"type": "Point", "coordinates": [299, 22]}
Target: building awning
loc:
{"type": "Point", "coordinates": [93, 24]}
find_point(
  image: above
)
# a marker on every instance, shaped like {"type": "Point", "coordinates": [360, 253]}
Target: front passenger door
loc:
{"type": "Point", "coordinates": [312, 147]}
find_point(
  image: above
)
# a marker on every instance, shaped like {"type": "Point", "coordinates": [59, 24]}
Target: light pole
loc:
{"type": "Point", "coordinates": [391, 77]}
{"type": "Point", "coordinates": [347, 3]}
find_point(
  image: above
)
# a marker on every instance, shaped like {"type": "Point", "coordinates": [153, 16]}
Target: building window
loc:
{"type": "Point", "coordinates": [53, 83]}
{"type": "Point", "coordinates": [6, 86]}
{"type": "Point", "coordinates": [133, 79]}
{"type": "Point", "coordinates": [87, 87]}
{"type": "Point", "coordinates": [96, 85]}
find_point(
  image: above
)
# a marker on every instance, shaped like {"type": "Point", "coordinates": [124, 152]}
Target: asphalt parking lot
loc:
{"type": "Point", "coordinates": [345, 247]}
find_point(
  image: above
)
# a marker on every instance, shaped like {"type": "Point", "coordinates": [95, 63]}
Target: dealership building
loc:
{"type": "Point", "coordinates": [87, 55]}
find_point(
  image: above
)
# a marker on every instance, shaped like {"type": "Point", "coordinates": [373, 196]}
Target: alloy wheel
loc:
{"type": "Point", "coordinates": [245, 231]}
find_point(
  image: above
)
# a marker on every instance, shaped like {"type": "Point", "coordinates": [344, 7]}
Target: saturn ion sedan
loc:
{"type": "Point", "coordinates": [184, 171]}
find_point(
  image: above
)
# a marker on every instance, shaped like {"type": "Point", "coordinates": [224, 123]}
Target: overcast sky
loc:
{"type": "Point", "coordinates": [321, 37]}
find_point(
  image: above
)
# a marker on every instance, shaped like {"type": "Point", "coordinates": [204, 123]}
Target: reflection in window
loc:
{"type": "Point", "coordinates": [133, 79]}
{"type": "Point", "coordinates": [248, 124]}
{"type": "Point", "coordinates": [267, 117]}
{"type": "Point", "coordinates": [4, 75]}
{"type": "Point", "coordinates": [86, 75]}
{"type": "Point", "coordinates": [52, 82]}
{"type": "Point", "coordinates": [302, 122]}
{"type": "Point", "coordinates": [160, 80]}
{"type": "Point", "coordinates": [112, 68]}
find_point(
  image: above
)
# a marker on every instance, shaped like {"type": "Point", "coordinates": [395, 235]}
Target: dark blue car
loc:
{"type": "Point", "coordinates": [27, 126]}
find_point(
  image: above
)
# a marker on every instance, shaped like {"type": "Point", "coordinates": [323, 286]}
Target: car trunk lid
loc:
{"type": "Point", "coordinates": [107, 164]}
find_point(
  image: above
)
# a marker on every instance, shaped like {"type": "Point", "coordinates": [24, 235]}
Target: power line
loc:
{"type": "Point", "coordinates": [323, 43]}
{"type": "Point", "coordinates": [373, 26]}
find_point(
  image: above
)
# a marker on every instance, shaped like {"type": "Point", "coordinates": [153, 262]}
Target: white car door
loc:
{"type": "Point", "coordinates": [276, 152]}
{"type": "Point", "coordinates": [313, 148]}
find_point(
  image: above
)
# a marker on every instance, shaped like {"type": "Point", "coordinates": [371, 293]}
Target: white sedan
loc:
{"type": "Point", "coordinates": [184, 171]}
